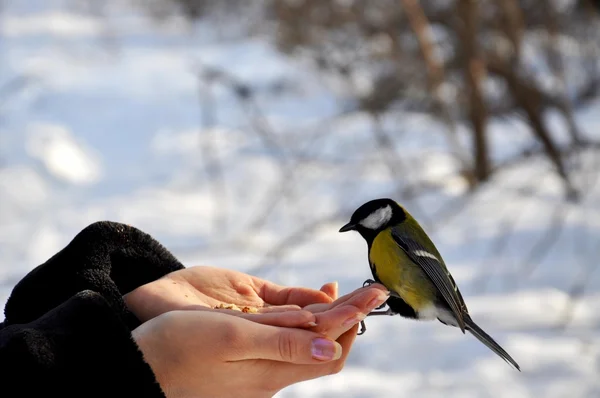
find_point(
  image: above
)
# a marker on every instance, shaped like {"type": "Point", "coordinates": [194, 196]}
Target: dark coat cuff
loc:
{"type": "Point", "coordinates": [81, 348]}
{"type": "Point", "coordinates": [109, 258]}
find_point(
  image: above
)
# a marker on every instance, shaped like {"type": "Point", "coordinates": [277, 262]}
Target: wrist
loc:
{"type": "Point", "coordinates": [146, 341]}
{"type": "Point", "coordinates": [136, 303]}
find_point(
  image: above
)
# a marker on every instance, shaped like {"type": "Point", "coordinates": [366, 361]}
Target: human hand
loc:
{"type": "Point", "coordinates": [210, 354]}
{"type": "Point", "coordinates": [203, 288]}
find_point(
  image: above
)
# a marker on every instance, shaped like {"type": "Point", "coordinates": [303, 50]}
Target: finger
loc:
{"type": "Point", "coordinates": [331, 289]}
{"type": "Point", "coordinates": [285, 374]}
{"type": "Point", "coordinates": [316, 308]}
{"type": "Point", "coordinates": [346, 340]}
{"type": "Point", "coordinates": [288, 345]}
{"type": "Point", "coordinates": [292, 319]}
{"type": "Point", "coordinates": [322, 307]}
{"type": "Point", "coordinates": [280, 295]}
{"type": "Point", "coordinates": [288, 319]}
{"type": "Point", "coordinates": [279, 308]}
{"type": "Point", "coordinates": [338, 320]}
{"type": "Point", "coordinates": [360, 290]}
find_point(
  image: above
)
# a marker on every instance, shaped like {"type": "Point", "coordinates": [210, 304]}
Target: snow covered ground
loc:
{"type": "Point", "coordinates": [106, 126]}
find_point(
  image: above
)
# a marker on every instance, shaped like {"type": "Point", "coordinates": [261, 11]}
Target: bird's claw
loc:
{"type": "Point", "coordinates": [368, 282]}
{"type": "Point", "coordinates": [363, 328]}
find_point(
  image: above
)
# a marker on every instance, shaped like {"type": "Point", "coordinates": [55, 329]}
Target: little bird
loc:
{"type": "Point", "coordinates": [407, 263]}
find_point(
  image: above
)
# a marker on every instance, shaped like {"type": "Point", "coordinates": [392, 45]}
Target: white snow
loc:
{"type": "Point", "coordinates": [59, 24]}
{"type": "Point", "coordinates": [109, 128]}
{"type": "Point", "coordinates": [63, 157]}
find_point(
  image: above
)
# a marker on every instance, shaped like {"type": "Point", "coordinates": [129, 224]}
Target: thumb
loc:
{"type": "Point", "coordinates": [290, 345]}
{"type": "Point", "coordinates": [330, 289]}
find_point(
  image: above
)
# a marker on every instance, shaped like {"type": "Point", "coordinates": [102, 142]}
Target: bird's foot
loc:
{"type": "Point", "coordinates": [363, 327]}
{"type": "Point", "coordinates": [386, 312]}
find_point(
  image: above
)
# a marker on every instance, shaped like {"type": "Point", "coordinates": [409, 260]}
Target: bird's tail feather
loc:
{"type": "Point", "coordinates": [489, 341]}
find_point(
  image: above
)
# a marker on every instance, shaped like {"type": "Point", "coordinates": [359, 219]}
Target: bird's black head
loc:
{"type": "Point", "coordinates": [375, 216]}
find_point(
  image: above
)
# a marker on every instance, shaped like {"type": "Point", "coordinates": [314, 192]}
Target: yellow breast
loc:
{"type": "Point", "coordinates": [399, 274]}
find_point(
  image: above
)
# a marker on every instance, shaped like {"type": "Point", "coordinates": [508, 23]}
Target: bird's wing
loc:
{"type": "Point", "coordinates": [435, 270]}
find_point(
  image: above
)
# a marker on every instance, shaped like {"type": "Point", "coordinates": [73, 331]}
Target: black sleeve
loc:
{"type": "Point", "coordinates": [106, 257]}
{"type": "Point", "coordinates": [81, 348]}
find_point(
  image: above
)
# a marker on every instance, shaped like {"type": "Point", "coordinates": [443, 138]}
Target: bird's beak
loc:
{"type": "Point", "coordinates": [347, 227]}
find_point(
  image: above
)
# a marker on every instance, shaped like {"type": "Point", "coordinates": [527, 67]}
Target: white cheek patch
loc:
{"type": "Point", "coordinates": [423, 253]}
{"type": "Point", "coordinates": [378, 218]}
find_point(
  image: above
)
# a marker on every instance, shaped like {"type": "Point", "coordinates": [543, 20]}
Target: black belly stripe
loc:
{"type": "Point", "coordinates": [400, 307]}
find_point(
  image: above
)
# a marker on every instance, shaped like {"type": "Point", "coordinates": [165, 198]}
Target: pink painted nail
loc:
{"type": "Point", "coordinates": [325, 350]}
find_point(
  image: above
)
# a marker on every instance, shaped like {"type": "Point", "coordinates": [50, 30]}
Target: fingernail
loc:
{"type": "Point", "coordinates": [377, 301]}
{"type": "Point", "coordinates": [354, 320]}
{"type": "Point", "coordinates": [326, 350]}
{"type": "Point", "coordinates": [311, 324]}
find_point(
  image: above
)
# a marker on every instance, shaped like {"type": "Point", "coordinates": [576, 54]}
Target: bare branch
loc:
{"type": "Point", "coordinates": [475, 74]}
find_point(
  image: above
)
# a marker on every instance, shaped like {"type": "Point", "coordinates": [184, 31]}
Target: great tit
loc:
{"type": "Point", "coordinates": [407, 263]}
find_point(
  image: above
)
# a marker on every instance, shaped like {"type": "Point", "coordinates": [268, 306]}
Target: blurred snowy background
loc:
{"type": "Point", "coordinates": [243, 134]}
